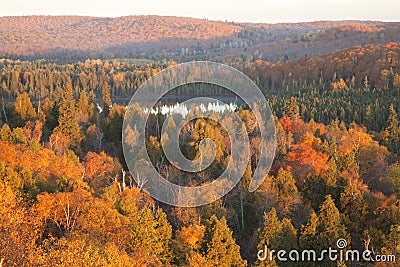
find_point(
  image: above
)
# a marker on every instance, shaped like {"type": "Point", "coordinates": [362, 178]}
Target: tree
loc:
{"type": "Point", "coordinates": [293, 110]}
{"type": "Point", "coordinates": [392, 246]}
{"type": "Point", "coordinates": [24, 109]}
{"type": "Point", "coordinates": [113, 123]}
{"type": "Point", "coordinates": [354, 209]}
{"type": "Point", "coordinates": [83, 108]}
{"type": "Point", "coordinates": [308, 232]}
{"type": "Point", "coordinates": [394, 177]}
{"type": "Point", "coordinates": [18, 229]}
{"type": "Point", "coordinates": [276, 235]}
{"type": "Point", "coordinates": [106, 96]}
{"type": "Point", "coordinates": [94, 138]}
{"type": "Point", "coordinates": [5, 133]}
{"type": "Point", "coordinates": [100, 170]}
{"type": "Point", "coordinates": [222, 249]}
{"type": "Point", "coordinates": [268, 237]}
{"type": "Point", "coordinates": [287, 191]}
{"type": "Point", "coordinates": [191, 237]}
{"type": "Point", "coordinates": [47, 115]}
{"type": "Point", "coordinates": [287, 240]}
{"type": "Point", "coordinates": [285, 183]}
{"type": "Point", "coordinates": [331, 227]}
{"type": "Point", "coordinates": [67, 120]}
{"type": "Point", "coordinates": [152, 234]}
{"type": "Point", "coordinates": [391, 135]}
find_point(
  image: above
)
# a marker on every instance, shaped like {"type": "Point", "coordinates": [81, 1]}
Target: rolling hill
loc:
{"type": "Point", "coordinates": [72, 38]}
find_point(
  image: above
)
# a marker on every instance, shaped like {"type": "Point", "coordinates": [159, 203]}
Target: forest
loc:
{"type": "Point", "coordinates": [68, 199]}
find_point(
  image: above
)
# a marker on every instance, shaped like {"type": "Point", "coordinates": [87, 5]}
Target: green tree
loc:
{"type": "Point", "coordinates": [293, 110]}
{"type": "Point", "coordinates": [308, 232]}
{"type": "Point", "coordinates": [287, 192]}
{"type": "Point", "coordinates": [83, 107]}
{"type": "Point", "coordinates": [392, 246]}
{"type": "Point", "coordinates": [49, 114]}
{"type": "Point", "coordinates": [391, 135]}
{"type": "Point", "coordinates": [330, 228]}
{"type": "Point", "coordinates": [268, 238]}
{"type": "Point", "coordinates": [5, 133]}
{"type": "Point", "coordinates": [152, 234]}
{"type": "Point", "coordinates": [67, 120]}
{"type": "Point", "coordinates": [106, 97]}
{"type": "Point", "coordinates": [24, 109]}
{"type": "Point", "coordinates": [287, 241]}
{"type": "Point", "coordinates": [394, 177]}
{"type": "Point", "coordinates": [285, 183]}
{"type": "Point", "coordinates": [354, 209]}
{"type": "Point", "coordinates": [222, 249]}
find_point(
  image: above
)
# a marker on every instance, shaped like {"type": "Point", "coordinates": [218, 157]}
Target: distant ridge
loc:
{"type": "Point", "coordinates": [72, 38]}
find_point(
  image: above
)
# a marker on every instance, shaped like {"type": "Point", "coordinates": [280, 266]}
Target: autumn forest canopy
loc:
{"type": "Point", "coordinates": [68, 199]}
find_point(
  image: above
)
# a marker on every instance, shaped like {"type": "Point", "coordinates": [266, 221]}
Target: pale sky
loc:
{"type": "Point", "coordinates": [232, 10]}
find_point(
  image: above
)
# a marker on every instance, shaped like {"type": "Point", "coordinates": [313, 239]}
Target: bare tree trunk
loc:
{"type": "Point", "coordinates": [123, 180]}
{"type": "Point", "coordinates": [241, 208]}
{"type": "Point", "coordinates": [4, 112]}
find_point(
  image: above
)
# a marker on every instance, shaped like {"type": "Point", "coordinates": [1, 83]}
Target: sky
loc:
{"type": "Point", "coordinates": [270, 11]}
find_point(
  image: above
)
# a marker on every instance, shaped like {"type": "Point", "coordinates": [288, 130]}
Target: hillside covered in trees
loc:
{"type": "Point", "coordinates": [72, 38]}
{"type": "Point", "coordinates": [67, 198]}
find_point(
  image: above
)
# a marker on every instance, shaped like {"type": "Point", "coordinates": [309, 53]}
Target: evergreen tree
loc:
{"type": "Point", "coordinates": [285, 183]}
{"type": "Point", "coordinates": [222, 249]}
{"type": "Point", "coordinates": [164, 231]}
{"type": "Point", "coordinates": [24, 109]}
{"type": "Point", "coordinates": [308, 232]}
{"type": "Point", "coordinates": [394, 177]}
{"type": "Point", "coordinates": [287, 241]}
{"type": "Point", "coordinates": [106, 97]}
{"type": "Point", "coordinates": [83, 107]}
{"type": "Point", "coordinates": [354, 209]}
{"type": "Point", "coordinates": [67, 118]}
{"type": "Point", "coordinates": [268, 237]}
{"type": "Point", "coordinates": [152, 234]}
{"type": "Point", "coordinates": [391, 136]}
{"type": "Point", "coordinates": [330, 228]}
{"type": "Point", "coordinates": [293, 110]}
{"type": "Point", "coordinates": [392, 246]}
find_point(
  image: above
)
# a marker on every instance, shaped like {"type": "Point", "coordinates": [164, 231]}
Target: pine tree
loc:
{"type": "Point", "coordinates": [164, 230]}
{"type": "Point", "coordinates": [222, 249]}
{"type": "Point", "coordinates": [354, 209]}
{"type": "Point", "coordinates": [331, 227]}
{"type": "Point", "coordinates": [269, 237]}
{"type": "Point", "coordinates": [106, 96]}
{"type": "Point", "coordinates": [285, 183]}
{"type": "Point", "coordinates": [391, 136]}
{"type": "Point", "coordinates": [308, 232]}
{"type": "Point", "coordinates": [152, 234]}
{"type": "Point", "coordinates": [286, 191]}
{"type": "Point", "coordinates": [293, 110]}
{"type": "Point", "coordinates": [394, 177]}
{"type": "Point", "coordinates": [287, 241]}
{"type": "Point", "coordinates": [83, 107]}
{"type": "Point", "coordinates": [24, 109]}
{"type": "Point", "coordinates": [67, 119]}
{"type": "Point", "coordinates": [392, 246]}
